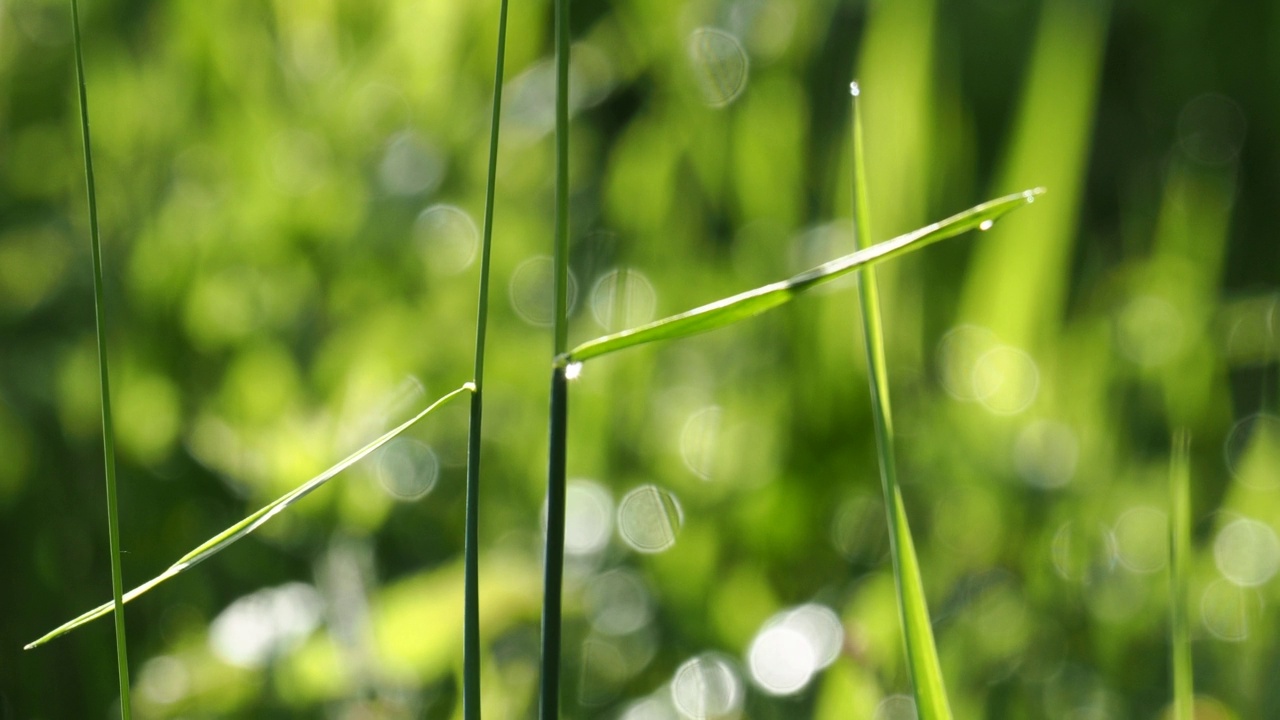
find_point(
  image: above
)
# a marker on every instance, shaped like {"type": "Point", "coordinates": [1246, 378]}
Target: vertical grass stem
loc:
{"type": "Point", "coordinates": [922, 655]}
{"type": "Point", "coordinates": [108, 430]}
{"type": "Point", "coordinates": [1179, 576]}
{"type": "Point", "coordinates": [549, 707]}
{"type": "Point", "coordinates": [471, 552]}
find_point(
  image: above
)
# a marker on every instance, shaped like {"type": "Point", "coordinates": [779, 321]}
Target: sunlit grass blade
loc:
{"type": "Point", "coordinates": [1179, 574]}
{"type": "Point", "coordinates": [471, 544]}
{"type": "Point", "coordinates": [922, 654]}
{"type": "Point", "coordinates": [227, 537]}
{"type": "Point", "coordinates": [753, 302]}
{"type": "Point", "coordinates": [108, 428]}
{"type": "Point", "coordinates": [553, 569]}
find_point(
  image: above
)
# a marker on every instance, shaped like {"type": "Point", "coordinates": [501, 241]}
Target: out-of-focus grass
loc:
{"type": "Point", "coordinates": [265, 176]}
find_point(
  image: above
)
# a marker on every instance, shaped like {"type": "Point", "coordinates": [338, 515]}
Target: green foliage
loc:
{"type": "Point", "coordinates": [285, 194]}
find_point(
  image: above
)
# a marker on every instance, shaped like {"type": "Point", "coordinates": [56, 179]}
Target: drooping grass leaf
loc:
{"type": "Point", "coordinates": [227, 537]}
{"type": "Point", "coordinates": [104, 385]}
{"type": "Point", "coordinates": [922, 654]}
{"type": "Point", "coordinates": [1179, 575]}
{"type": "Point", "coordinates": [753, 302]}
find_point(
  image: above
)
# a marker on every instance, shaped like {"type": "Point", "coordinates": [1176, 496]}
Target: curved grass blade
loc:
{"type": "Point", "coordinates": [1179, 575]}
{"type": "Point", "coordinates": [108, 429]}
{"type": "Point", "coordinates": [753, 302]}
{"type": "Point", "coordinates": [224, 539]}
{"type": "Point", "coordinates": [922, 654]}
{"type": "Point", "coordinates": [471, 541]}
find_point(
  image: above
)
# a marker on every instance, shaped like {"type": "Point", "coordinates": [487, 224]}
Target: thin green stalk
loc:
{"type": "Point", "coordinates": [1179, 575]}
{"type": "Point", "coordinates": [108, 430]}
{"type": "Point", "coordinates": [922, 655]}
{"type": "Point", "coordinates": [471, 551]}
{"type": "Point", "coordinates": [549, 698]}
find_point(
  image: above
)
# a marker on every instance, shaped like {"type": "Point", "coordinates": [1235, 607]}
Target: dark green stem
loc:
{"type": "Point", "coordinates": [108, 431]}
{"type": "Point", "coordinates": [549, 708]}
{"type": "Point", "coordinates": [471, 553]}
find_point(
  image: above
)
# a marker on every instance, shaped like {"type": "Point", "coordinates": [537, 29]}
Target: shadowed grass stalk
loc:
{"type": "Point", "coordinates": [108, 430]}
{"type": "Point", "coordinates": [553, 571]}
{"type": "Point", "coordinates": [922, 655]}
{"type": "Point", "coordinates": [226, 538]}
{"type": "Point", "coordinates": [471, 551]}
{"type": "Point", "coordinates": [1179, 575]}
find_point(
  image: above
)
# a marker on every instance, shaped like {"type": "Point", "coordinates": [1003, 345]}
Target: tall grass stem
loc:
{"type": "Point", "coordinates": [549, 704]}
{"type": "Point", "coordinates": [922, 655]}
{"type": "Point", "coordinates": [1179, 575]}
{"type": "Point", "coordinates": [108, 429]}
{"type": "Point", "coordinates": [471, 551]}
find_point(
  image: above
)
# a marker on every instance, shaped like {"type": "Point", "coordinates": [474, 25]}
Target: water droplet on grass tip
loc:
{"type": "Point", "coordinates": [572, 371]}
{"type": "Point", "coordinates": [854, 90]}
{"type": "Point", "coordinates": [986, 225]}
{"type": "Point", "coordinates": [649, 519]}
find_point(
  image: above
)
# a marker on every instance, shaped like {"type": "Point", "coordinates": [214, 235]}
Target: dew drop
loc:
{"type": "Point", "coordinates": [1029, 196]}
{"type": "Point", "coordinates": [854, 90]}
{"type": "Point", "coordinates": [573, 371]}
{"type": "Point", "coordinates": [987, 225]}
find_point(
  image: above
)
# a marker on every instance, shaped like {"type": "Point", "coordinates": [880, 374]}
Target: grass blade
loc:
{"type": "Point", "coordinates": [922, 654]}
{"type": "Point", "coordinates": [553, 570]}
{"type": "Point", "coordinates": [227, 537]}
{"type": "Point", "coordinates": [753, 302]}
{"type": "Point", "coordinates": [471, 543]}
{"type": "Point", "coordinates": [108, 429]}
{"type": "Point", "coordinates": [1179, 575]}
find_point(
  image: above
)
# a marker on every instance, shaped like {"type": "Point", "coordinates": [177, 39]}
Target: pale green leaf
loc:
{"type": "Point", "coordinates": [224, 539]}
{"type": "Point", "coordinates": [753, 302]}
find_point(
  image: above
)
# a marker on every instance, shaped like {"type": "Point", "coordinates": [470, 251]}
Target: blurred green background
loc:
{"type": "Point", "coordinates": [290, 195]}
